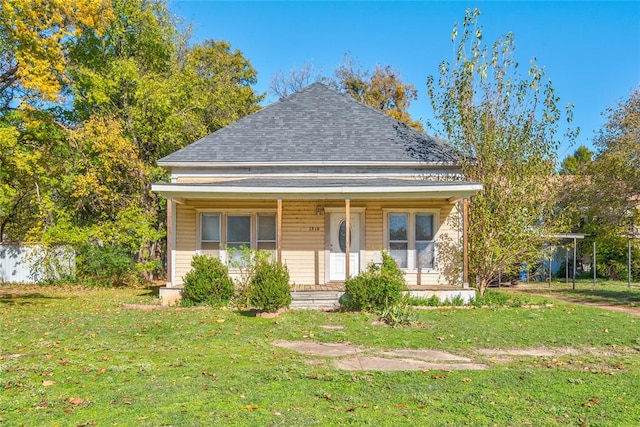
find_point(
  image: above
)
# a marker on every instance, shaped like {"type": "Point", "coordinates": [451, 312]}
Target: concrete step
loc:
{"type": "Point", "coordinates": [315, 300]}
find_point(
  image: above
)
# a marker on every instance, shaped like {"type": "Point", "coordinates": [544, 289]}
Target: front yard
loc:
{"type": "Point", "coordinates": [78, 357]}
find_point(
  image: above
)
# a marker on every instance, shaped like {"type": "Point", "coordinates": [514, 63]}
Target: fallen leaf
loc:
{"type": "Point", "coordinates": [438, 376]}
{"type": "Point", "coordinates": [252, 407]}
{"type": "Point", "coordinates": [75, 401]}
{"type": "Point", "coordinates": [466, 380]}
{"type": "Point", "coordinates": [47, 383]}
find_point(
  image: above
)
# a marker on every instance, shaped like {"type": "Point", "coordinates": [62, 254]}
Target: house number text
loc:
{"type": "Point", "coordinates": [314, 228]}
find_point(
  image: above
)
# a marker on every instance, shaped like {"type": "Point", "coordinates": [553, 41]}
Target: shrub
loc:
{"type": "Point", "coordinates": [398, 315]}
{"type": "Point", "coordinates": [105, 266]}
{"type": "Point", "coordinates": [268, 288]}
{"type": "Point", "coordinates": [207, 282]}
{"type": "Point", "coordinates": [377, 288]}
{"type": "Point", "coordinates": [491, 298]}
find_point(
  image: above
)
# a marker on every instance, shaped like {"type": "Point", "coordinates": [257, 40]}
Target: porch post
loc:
{"type": "Point", "coordinates": [465, 243]}
{"type": "Point", "coordinates": [279, 233]}
{"type": "Point", "coordinates": [170, 245]}
{"type": "Point", "coordinates": [575, 249]}
{"type": "Point", "coordinates": [347, 263]}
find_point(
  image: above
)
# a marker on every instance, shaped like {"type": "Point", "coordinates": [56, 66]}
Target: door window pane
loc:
{"type": "Point", "coordinates": [424, 227]}
{"type": "Point", "coordinates": [342, 236]}
{"type": "Point", "coordinates": [238, 231]}
{"type": "Point", "coordinates": [398, 226]}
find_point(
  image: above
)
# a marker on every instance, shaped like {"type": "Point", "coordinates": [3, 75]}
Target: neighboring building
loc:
{"type": "Point", "coordinates": [312, 178]}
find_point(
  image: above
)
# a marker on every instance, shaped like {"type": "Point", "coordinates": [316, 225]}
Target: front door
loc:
{"type": "Point", "coordinates": [338, 246]}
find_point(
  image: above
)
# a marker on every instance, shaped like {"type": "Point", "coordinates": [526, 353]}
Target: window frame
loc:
{"type": "Point", "coordinates": [412, 253]}
{"type": "Point", "coordinates": [201, 230]}
{"type": "Point", "coordinates": [223, 223]}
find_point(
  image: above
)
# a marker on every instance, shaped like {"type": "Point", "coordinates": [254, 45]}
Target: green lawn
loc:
{"type": "Point", "coordinates": [74, 357]}
{"type": "Point", "coordinates": [604, 291]}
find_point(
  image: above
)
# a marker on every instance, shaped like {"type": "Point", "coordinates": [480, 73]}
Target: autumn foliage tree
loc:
{"type": "Point", "coordinates": [383, 89]}
{"type": "Point", "coordinates": [505, 126]}
{"type": "Point", "coordinates": [94, 92]}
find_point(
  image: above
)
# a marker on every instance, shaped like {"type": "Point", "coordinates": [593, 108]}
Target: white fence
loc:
{"type": "Point", "coordinates": [20, 263]}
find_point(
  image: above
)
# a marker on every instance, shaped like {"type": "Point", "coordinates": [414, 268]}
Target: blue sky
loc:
{"type": "Point", "coordinates": [589, 49]}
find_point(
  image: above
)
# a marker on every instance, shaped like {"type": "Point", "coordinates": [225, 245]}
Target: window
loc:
{"type": "Point", "coordinates": [221, 231]}
{"type": "Point", "coordinates": [411, 240]}
{"type": "Point", "coordinates": [399, 238]}
{"type": "Point", "coordinates": [424, 241]}
{"type": "Point", "coordinates": [266, 232]}
{"type": "Point", "coordinates": [210, 233]}
{"type": "Point", "coordinates": [238, 231]}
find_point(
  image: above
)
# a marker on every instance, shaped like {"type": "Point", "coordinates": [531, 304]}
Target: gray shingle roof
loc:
{"type": "Point", "coordinates": [316, 124]}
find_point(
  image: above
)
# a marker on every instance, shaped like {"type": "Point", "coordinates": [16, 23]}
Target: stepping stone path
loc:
{"type": "Point", "coordinates": [355, 358]}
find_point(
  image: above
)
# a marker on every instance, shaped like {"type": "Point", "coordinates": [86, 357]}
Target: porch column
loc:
{"type": "Point", "coordinates": [170, 245]}
{"type": "Point", "coordinates": [279, 233]}
{"type": "Point", "coordinates": [347, 262]}
{"type": "Point", "coordinates": [465, 243]}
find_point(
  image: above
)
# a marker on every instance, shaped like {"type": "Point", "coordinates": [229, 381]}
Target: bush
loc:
{"type": "Point", "coordinates": [399, 315]}
{"type": "Point", "coordinates": [105, 266]}
{"type": "Point", "coordinates": [268, 288]}
{"type": "Point", "coordinates": [377, 288]}
{"type": "Point", "coordinates": [208, 282]}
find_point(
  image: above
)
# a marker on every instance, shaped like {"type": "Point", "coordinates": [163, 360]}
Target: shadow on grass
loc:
{"type": "Point", "coordinates": [151, 291]}
{"type": "Point", "coordinates": [606, 295]}
{"type": "Point", "coordinates": [592, 294]}
{"type": "Point", "coordinates": [25, 298]}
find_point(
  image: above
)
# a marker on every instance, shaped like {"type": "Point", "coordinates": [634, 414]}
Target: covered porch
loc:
{"type": "Point", "coordinates": [312, 224]}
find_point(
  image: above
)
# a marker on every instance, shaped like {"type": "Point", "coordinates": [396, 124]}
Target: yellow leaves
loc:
{"type": "Point", "coordinates": [35, 32]}
{"type": "Point", "coordinates": [251, 407]}
{"type": "Point", "coordinates": [48, 383]}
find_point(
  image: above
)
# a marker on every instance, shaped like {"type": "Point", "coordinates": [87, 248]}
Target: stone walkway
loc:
{"type": "Point", "coordinates": [351, 357]}
{"type": "Point", "coordinates": [356, 358]}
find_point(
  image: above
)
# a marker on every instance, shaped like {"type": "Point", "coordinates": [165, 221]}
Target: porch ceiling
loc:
{"type": "Point", "coordinates": [314, 188]}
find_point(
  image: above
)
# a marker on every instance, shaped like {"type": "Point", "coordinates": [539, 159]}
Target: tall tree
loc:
{"type": "Point", "coordinates": [34, 36]}
{"type": "Point", "coordinates": [615, 174]}
{"type": "Point", "coordinates": [505, 127]}
{"type": "Point", "coordinates": [574, 163]}
{"type": "Point", "coordinates": [134, 91]}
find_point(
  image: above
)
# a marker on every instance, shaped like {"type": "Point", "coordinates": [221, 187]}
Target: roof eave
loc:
{"type": "Point", "coordinates": [453, 191]}
{"type": "Point", "coordinates": [170, 164]}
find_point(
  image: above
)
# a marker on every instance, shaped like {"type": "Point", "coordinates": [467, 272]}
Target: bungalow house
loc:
{"type": "Point", "coordinates": [315, 177]}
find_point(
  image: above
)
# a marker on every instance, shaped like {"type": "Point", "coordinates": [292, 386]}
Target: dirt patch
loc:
{"type": "Point", "coordinates": [427, 355]}
{"type": "Point", "coordinates": [534, 352]}
{"type": "Point", "coordinates": [352, 357]}
{"type": "Point", "coordinates": [373, 363]}
{"type": "Point", "coordinates": [320, 349]}
{"type": "Point", "coordinates": [332, 327]}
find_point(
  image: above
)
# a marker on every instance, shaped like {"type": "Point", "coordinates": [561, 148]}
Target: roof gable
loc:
{"type": "Point", "coordinates": [315, 125]}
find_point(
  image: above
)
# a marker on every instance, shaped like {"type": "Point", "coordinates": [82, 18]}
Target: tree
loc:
{"type": "Point", "coordinates": [284, 84]}
{"type": "Point", "coordinates": [579, 160]}
{"type": "Point", "coordinates": [80, 172]}
{"type": "Point", "coordinates": [615, 174]}
{"type": "Point", "coordinates": [33, 35]}
{"type": "Point", "coordinates": [383, 89]}
{"type": "Point", "coordinates": [505, 127]}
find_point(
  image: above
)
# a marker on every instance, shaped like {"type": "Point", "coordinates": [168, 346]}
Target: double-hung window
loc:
{"type": "Point", "coordinates": [210, 234]}
{"type": "Point", "coordinates": [226, 230]}
{"type": "Point", "coordinates": [410, 238]}
{"type": "Point", "coordinates": [266, 232]}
